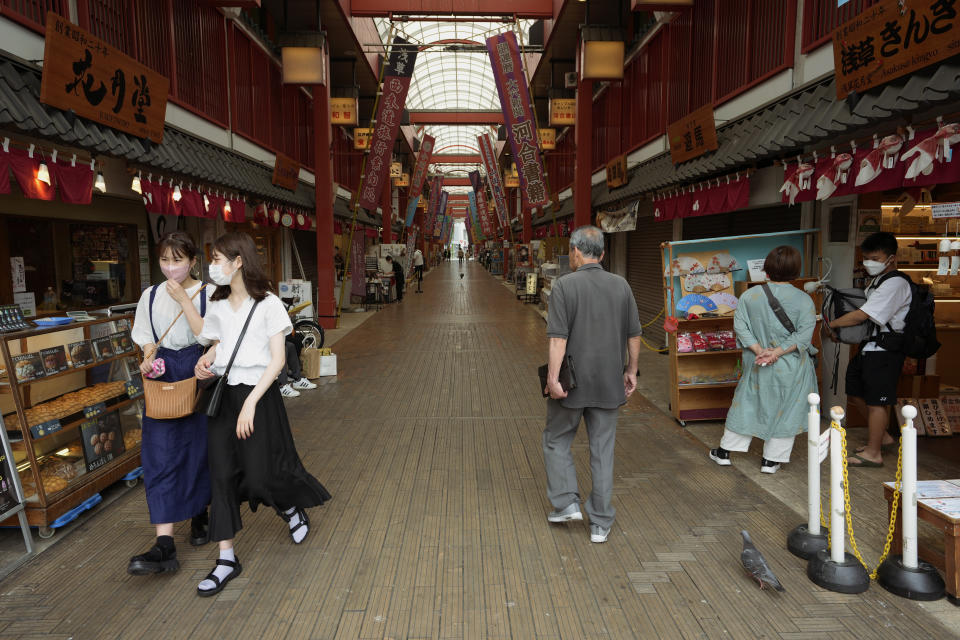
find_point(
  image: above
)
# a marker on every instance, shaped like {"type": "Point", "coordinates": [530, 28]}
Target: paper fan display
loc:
{"type": "Point", "coordinates": [726, 302]}
{"type": "Point", "coordinates": [684, 265]}
{"type": "Point", "coordinates": [686, 303]}
{"type": "Point", "coordinates": [722, 263]}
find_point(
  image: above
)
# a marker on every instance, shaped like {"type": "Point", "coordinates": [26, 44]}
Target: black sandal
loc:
{"type": "Point", "coordinates": [212, 577]}
{"type": "Point", "coordinates": [304, 522]}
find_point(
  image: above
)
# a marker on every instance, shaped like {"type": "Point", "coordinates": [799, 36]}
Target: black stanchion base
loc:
{"type": "Point", "coordinates": [922, 583]}
{"type": "Point", "coordinates": [954, 600]}
{"type": "Point", "coordinates": [848, 576]}
{"type": "Point", "coordinates": [803, 544]}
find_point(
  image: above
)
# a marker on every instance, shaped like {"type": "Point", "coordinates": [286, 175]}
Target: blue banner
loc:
{"type": "Point", "coordinates": [411, 211]}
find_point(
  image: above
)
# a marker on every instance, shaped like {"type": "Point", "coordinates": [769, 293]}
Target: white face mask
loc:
{"type": "Point", "coordinates": [874, 267]}
{"type": "Point", "coordinates": [219, 277]}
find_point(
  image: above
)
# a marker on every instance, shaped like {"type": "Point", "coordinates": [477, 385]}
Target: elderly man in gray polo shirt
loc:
{"type": "Point", "coordinates": [593, 318]}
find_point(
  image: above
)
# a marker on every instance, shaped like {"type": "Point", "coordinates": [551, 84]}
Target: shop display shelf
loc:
{"type": "Point", "coordinates": [73, 421]}
{"type": "Point", "coordinates": [5, 383]}
{"type": "Point", "coordinates": [704, 320]}
{"type": "Point", "coordinates": [719, 352]}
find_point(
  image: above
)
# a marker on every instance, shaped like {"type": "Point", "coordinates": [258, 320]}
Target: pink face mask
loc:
{"type": "Point", "coordinates": [177, 274]}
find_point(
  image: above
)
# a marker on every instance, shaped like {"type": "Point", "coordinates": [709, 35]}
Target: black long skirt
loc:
{"type": "Point", "coordinates": [263, 469]}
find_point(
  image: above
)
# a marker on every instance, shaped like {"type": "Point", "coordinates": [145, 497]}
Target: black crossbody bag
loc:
{"type": "Point", "coordinates": [210, 396]}
{"type": "Point", "coordinates": [778, 309]}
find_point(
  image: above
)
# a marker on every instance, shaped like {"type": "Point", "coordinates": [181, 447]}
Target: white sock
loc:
{"type": "Point", "coordinates": [300, 533]}
{"type": "Point", "coordinates": [221, 571]}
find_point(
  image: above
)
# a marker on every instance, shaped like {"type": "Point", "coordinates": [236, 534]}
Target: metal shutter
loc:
{"type": "Point", "coordinates": [306, 243]}
{"type": "Point", "coordinates": [738, 223]}
{"type": "Point", "coordinates": [644, 269]}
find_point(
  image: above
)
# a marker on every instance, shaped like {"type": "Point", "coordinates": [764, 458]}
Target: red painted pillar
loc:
{"type": "Point", "coordinates": [325, 193]}
{"type": "Point", "coordinates": [527, 225]}
{"type": "Point", "coordinates": [386, 204]}
{"type": "Point", "coordinates": [583, 166]}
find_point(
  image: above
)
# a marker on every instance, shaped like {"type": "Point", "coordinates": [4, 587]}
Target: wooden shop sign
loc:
{"type": "Point", "coordinates": [84, 74]}
{"type": "Point", "coordinates": [343, 110]}
{"type": "Point", "coordinates": [563, 112]}
{"type": "Point", "coordinates": [882, 43]}
{"type": "Point", "coordinates": [693, 135]}
{"type": "Point", "coordinates": [402, 181]}
{"type": "Point", "coordinates": [361, 138]}
{"type": "Point", "coordinates": [548, 138]}
{"type": "Point", "coordinates": [286, 172]}
{"type": "Point", "coordinates": [396, 169]}
{"type": "Point", "coordinates": [617, 172]}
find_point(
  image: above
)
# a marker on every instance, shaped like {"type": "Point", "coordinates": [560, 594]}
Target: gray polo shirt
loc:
{"type": "Point", "coordinates": [596, 312]}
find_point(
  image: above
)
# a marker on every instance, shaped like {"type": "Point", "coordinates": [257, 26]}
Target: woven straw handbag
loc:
{"type": "Point", "coordinates": [170, 400]}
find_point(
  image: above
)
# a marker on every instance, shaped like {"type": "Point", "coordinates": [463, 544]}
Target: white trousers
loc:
{"type": "Point", "coordinates": [775, 449]}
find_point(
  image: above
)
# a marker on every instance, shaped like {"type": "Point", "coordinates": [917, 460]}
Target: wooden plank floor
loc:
{"type": "Point", "coordinates": [429, 441]}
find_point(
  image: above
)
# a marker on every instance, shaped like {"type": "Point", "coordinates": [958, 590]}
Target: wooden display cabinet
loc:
{"type": "Point", "coordinates": [75, 426]}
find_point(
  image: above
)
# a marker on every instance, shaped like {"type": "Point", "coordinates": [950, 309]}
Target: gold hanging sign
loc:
{"type": "Point", "coordinates": [361, 138]}
{"type": "Point", "coordinates": [343, 110]}
{"type": "Point", "coordinates": [563, 112]}
{"type": "Point", "coordinates": [548, 138]}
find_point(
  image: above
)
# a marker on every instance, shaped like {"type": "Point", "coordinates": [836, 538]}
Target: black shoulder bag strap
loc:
{"type": "Point", "coordinates": [243, 332]}
{"type": "Point", "coordinates": [778, 309]}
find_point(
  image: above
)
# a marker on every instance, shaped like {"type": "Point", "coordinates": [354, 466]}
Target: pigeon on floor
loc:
{"type": "Point", "coordinates": [756, 565]}
{"type": "Point", "coordinates": [461, 276]}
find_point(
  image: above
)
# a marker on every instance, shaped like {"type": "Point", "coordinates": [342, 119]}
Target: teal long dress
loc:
{"type": "Point", "coordinates": [771, 401]}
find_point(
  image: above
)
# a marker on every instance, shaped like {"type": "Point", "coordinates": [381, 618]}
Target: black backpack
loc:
{"type": "Point", "coordinates": [919, 336]}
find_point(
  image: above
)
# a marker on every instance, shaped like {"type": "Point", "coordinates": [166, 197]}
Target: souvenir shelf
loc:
{"type": "Point", "coordinates": [702, 382]}
{"type": "Point", "coordinates": [71, 398]}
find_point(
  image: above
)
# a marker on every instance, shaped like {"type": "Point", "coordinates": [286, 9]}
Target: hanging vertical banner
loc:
{"type": "Point", "coordinates": [489, 156]}
{"type": "Point", "coordinates": [518, 116]}
{"type": "Point", "coordinates": [357, 265]}
{"type": "Point", "coordinates": [411, 243]}
{"type": "Point", "coordinates": [420, 170]}
{"type": "Point", "coordinates": [436, 187]}
{"type": "Point", "coordinates": [396, 83]}
{"type": "Point", "coordinates": [471, 219]}
{"type": "Point", "coordinates": [483, 214]}
{"type": "Point", "coordinates": [411, 211]}
{"type": "Point", "coordinates": [468, 227]}
{"type": "Point", "coordinates": [441, 212]}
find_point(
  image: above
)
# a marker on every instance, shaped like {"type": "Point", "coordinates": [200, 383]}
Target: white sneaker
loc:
{"type": "Point", "coordinates": [768, 466]}
{"type": "Point", "coordinates": [288, 392]}
{"type": "Point", "coordinates": [598, 533]}
{"type": "Point", "coordinates": [303, 383]}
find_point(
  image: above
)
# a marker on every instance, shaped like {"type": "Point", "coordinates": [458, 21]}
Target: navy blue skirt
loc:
{"type": "Point", "coordinates": [174, 452]}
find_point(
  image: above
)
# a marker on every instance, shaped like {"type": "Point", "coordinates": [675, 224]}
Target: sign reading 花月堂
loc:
{"type": "Point", "coordinates": [396, 83]}
{"type": "Point", "coordinates": [692, 135]}
{"type": "Point", "coordinates": [518, 116]}
{"type": "Point", "coordinates": [882, 44]}
{"type": "Point", "coordinates": [84, 74]}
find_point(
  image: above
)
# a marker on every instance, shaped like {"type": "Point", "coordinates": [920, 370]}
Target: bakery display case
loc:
{"type": "Point", "coordinates": [72, 403]}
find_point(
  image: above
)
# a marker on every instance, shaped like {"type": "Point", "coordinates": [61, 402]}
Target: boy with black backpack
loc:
{"type": "Point", "coordinates": [902, 315]}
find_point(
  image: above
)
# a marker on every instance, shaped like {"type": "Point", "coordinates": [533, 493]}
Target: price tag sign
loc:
{"type": "Point", "coordinates": [45, 428]}
{"type": "Point", "coordinates": [134, 388]}
{"type": "Point", "coordinates": [94, 410]}
{"type": "Point", "coordinates": [945, 210]}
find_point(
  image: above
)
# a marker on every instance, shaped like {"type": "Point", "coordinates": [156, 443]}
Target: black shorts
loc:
{"type": "Point", "coordinates": [873, 376]}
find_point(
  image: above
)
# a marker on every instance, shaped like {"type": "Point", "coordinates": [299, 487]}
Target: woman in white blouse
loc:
{"type": "Point", "coordinates": [173, 452]}
{"type": "Point", "coordinates": [252, 455]}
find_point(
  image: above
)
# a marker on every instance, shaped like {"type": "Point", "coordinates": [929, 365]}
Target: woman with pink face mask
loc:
{"type": "Point", "coordinates": [173, 452]}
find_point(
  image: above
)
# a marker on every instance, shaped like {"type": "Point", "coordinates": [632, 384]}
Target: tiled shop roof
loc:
{"type": "Point", "coordinates": [809, 116]}
{"type": "Point", "coordinates": [178, 153]}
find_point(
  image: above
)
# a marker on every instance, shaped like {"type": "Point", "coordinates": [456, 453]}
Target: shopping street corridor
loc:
{"type": "Point", "coordinates": [429, 441]}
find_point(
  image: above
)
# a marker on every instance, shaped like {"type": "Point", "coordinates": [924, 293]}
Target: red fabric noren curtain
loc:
{"type": "Point", "coordinates": [25, 171]}
{"type": "Point", "coordinates": [75, 183]}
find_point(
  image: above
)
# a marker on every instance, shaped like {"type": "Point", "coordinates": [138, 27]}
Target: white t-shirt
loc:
{"type": "Point", "coordinates": [888, 303]}
{"type": "Point", "coordinates": [417, 258]}
{"type": "Point", "coordinates": [224, 324]}
{"type": "Point", "coordinates": [165, 309]}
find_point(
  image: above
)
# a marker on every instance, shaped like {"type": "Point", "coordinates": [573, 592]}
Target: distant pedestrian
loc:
{"type": "Point", "coordinates": [592, 319]}
{"type": "Point", "coordinates": [397, 276]}
{"type": "Point", "coordinates": [460, 255]}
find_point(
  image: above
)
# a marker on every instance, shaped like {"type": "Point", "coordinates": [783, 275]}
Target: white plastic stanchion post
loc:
{"type": "Point", "coordinates": [838, 540]}
{"type": "Point", "coordinates": [908, 493]}
{"type": "Point", "coordinates": [813, 465]}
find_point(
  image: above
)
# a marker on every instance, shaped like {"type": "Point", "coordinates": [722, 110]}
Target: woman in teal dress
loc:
{"type": "Point", "coordinates": [770, 401]}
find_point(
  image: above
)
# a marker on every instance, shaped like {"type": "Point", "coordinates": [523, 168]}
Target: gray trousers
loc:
{"type": "Point", "coordinates": [562, 424]}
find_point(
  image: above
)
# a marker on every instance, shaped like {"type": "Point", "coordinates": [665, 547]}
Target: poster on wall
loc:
{"type": "Point", "coordinates": [18, 274]}
{"type": "Point", "coordinates": [357, 265]}
{"type": "Point", "coordinates": [624, 219]}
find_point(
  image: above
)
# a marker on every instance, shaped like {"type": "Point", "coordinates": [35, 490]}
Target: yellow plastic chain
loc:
{"type": "Point", "coordinates": [846, 503]}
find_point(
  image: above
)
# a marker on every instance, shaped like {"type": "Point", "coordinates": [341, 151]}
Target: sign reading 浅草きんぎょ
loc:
{"type": "Point", "coordinates": [84, 74]}
{"type": "Point", "coordinates": [286, 172]}
{"type": "Point", "coordinates": [693, 135]}
{"type": "Point", "coordinates": [396, 83]}
{"type": "Point", "coordinates": [882, 43]}
{"type": "Point", "coordinates": [518, 116]}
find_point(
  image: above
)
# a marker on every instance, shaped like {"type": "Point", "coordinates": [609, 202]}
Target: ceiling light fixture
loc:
{"type": "Point", "coordinates": [100, 184]}
{"type": "Point", "coordinates": [135, 184]}
{"type": "Point", "coordinates": [176, 193]}
{"type": "Point", "coordinates": [43, 174]}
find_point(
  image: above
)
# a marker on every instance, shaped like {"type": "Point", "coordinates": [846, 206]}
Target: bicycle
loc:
{"type": "Point", "coordinates": [309, 330]}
